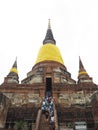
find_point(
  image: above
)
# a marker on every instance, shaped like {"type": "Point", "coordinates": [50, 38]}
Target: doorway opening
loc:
{"type": "Point", "coordinates": [48, 91]}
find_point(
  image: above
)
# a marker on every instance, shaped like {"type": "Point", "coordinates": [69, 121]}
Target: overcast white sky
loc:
{"type": "Point", "coordinates": [23, 26]}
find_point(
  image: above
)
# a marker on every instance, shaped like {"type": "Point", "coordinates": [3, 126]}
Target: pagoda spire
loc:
{"type": "Point", "coordinates": [81, 67]}
{"type": "Point", "coordinates": [83, 75]}
{"type": "Point", "coordinates": [12, 77]}
{"type": "Point", "coordinates": [14, 67]}
{"type": "Point", "coordinates": [49, 35]}
{"type": "Point", "coordinates": [49, 24]}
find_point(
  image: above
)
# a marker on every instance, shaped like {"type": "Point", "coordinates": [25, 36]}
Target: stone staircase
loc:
{"type": "Point", "coordinates": [44, 124]}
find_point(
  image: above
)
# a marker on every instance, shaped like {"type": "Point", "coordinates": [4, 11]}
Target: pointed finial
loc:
{"type": "Point", "coordinates": [16, 58]}
{"type": "Point", "coordinates": [79, 58]}
{"type": "Point", "coordinates": [82, 70]}
{"type": "Point", "coordinates": [49, 36]}
{"type": "Point", "coordinates": [80, 64]}
{"type": "Point", "coordinates": [83, 75]}
{"type": "Point", "coordinates": [49, 25]}
{"type": "Point", "coordinates": [14, 67]}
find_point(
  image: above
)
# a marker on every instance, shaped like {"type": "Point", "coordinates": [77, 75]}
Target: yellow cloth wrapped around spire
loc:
{"type": "Point", "coordinates": [14, 70]}
{"type": "Point", "coordinates": [49, 52]}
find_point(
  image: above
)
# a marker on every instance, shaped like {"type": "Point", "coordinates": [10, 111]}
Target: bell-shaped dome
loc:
{"type": "Point", "coordinates": [49, 52]}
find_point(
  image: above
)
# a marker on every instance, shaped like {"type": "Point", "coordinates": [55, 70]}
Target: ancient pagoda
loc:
{"type": "Point", "coordinates": [24, 105]}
